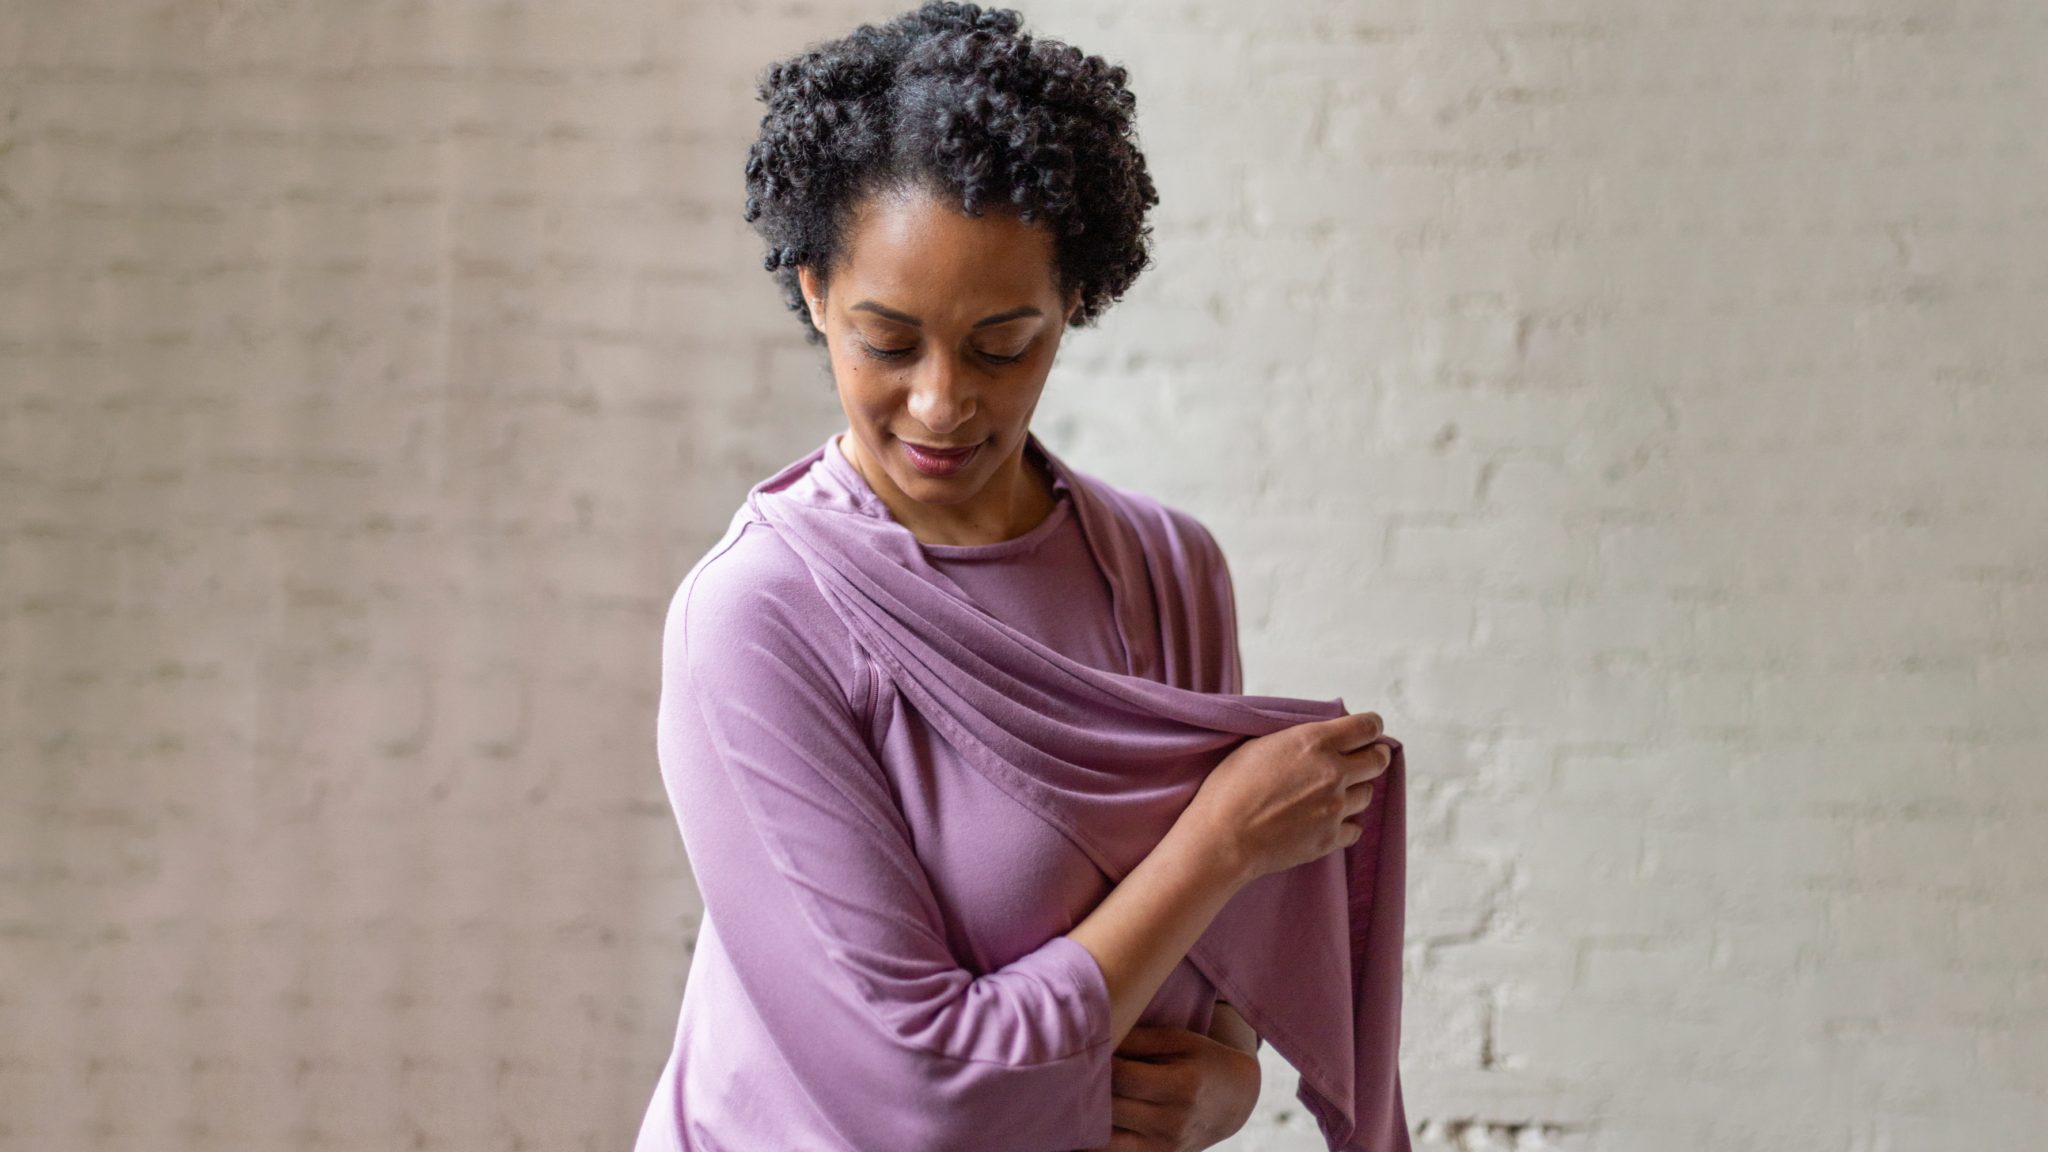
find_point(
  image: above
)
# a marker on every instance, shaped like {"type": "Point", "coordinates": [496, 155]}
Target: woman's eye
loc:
{"type": "Point", "coordinates": [996, 358]}
{"type": "Point", "coordinates": [888, 353]}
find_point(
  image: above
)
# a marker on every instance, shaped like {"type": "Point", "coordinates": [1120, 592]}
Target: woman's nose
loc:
{"type": "Point", "coordinates": [942, 394]}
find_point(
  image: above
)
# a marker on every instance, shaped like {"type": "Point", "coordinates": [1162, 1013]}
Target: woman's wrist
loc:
{"type": "Point", "coordinates": [1210, 850]}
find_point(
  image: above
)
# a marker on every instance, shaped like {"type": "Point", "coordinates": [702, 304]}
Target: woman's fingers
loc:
{"type": "Point", "coordinates": [1370, 764]}
{"type": "Point", "coordinates": [1143, 1117]}
{"type": "Point", "coordinates": [1125, 1140]}
{"type": "Point", "coordinates": [1357, 798]}
{"type": "Point", "coordinates": [1172, 1080]}
{"type": "Point", "coordinates": [1348, 734]}
{"type": "Point", "coordinates": [1273, 793]}
{"type": "Point", "coordinates": [1154, 1040]}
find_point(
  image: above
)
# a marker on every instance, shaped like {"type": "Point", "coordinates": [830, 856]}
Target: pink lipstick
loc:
{"type": "Point", "coordinates": [938, 462]}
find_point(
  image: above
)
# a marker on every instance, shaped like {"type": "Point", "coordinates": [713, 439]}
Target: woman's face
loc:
{"type": "Point", "coordinates": [941, 329]}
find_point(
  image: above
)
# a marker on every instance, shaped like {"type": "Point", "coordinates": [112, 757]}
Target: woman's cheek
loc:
{"type": "Point", "coordinates": [868, 394]}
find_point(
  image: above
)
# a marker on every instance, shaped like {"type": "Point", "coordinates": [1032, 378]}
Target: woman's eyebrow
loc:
{"type": "Point", "coordinates": [1006, 317]}
{"type": "Point", "coordinates": [888, 313]}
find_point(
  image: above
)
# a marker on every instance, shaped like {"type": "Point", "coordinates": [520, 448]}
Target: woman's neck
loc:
{"type": "Point", "coordinates": [1017, 498]}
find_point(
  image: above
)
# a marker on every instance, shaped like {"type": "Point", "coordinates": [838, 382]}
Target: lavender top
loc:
{"type": "Point", "coordinates": [903, 772]}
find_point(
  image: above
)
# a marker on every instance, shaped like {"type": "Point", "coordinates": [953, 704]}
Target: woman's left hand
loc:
{"type": "Point", "coordinates": [1173, 1090]}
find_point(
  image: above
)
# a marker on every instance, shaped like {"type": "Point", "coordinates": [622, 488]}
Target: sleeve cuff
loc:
{"type": "Point", "coordinates": [1073, 966]}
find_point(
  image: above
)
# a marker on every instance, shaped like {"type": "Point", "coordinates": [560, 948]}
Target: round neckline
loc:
{"type": "Point", "coordinates": [1062, 507]}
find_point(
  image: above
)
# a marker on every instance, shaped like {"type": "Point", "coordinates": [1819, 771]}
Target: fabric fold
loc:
{"type": "Point", "coordinates": [1311, 956]}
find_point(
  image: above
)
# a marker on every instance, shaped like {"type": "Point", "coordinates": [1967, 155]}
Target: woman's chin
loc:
{"type": "Point", "coordinates": [938, 490]}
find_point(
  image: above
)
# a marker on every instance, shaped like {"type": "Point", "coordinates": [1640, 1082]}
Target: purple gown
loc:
{"type": "Point", "coordinates": [904, 772]}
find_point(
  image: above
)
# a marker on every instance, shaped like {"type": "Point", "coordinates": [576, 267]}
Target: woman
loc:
{"type": "Point", "coordinates": [946, 724]}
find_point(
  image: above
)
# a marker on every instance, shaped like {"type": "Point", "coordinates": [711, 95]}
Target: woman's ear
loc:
{"type": "Point", "coordinates": [1073, 305]}
{"type": "Point", "coordinates": [814, 295]}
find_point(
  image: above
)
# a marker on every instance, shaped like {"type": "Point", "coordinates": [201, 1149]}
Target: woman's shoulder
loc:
{"type": "Point", "coordinates": [749, 634]}
{"type": "Point", "coordinates": [1172, 565]}
{"type": "Point", "coordinates": [1158, 527]}
{"type": "Point", "coordinates": [1176, 523]}
{"type": "Point", "coordinates": [752, 591]}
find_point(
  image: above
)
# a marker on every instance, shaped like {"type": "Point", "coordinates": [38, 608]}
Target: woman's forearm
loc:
{"type": "Point", "coordinates": [1276, 801]}
{"type": "Point", "coordinates": [1146, 924]}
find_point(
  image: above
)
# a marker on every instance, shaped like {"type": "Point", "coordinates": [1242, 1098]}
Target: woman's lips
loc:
{"type": "Point", "coordinates": [938, 462]}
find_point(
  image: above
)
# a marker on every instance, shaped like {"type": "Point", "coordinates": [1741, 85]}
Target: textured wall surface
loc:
{"type": "Point", "coordinates": [1645, 406]}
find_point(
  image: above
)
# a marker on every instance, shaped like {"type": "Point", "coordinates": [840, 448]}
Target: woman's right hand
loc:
{"type": "Point", "coordinates": [1288, 798]}
{"type": "Point", "coordinates": [1274, 802]}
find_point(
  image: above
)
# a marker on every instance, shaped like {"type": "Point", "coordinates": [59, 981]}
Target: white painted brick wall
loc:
{"type": "Point", "coordinates": [1642, 405]}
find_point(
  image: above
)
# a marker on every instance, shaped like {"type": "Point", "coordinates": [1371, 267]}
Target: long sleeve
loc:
{"type": "Point", "coordinates": [809, 874]}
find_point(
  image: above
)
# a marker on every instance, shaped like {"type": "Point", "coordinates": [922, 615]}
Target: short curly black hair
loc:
{"type": "Point", "coordinates": [962, 101]}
